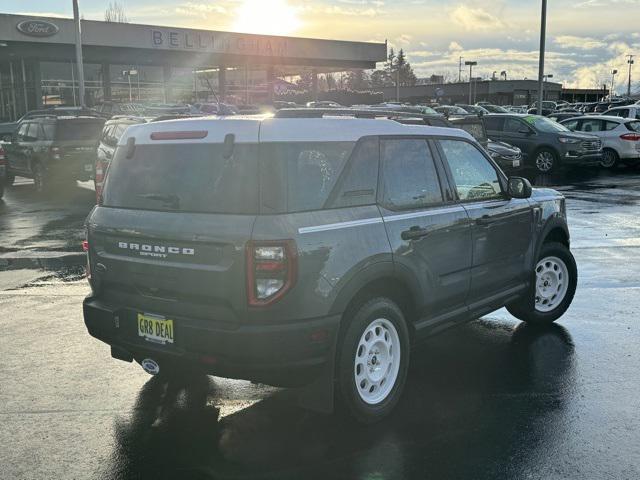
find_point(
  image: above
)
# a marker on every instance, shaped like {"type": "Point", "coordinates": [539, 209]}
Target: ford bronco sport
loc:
{"type": "Point", "coordinates": [313, 251]}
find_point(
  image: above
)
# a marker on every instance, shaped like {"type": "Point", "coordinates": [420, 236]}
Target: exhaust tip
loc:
{"type": "Point", "coordinates": [150, 366]}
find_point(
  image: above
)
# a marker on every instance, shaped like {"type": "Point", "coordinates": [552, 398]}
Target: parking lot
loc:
{"type": "Point", "coordinates": [492, 399]}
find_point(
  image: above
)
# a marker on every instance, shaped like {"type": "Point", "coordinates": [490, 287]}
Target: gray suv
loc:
{"type": "Point", "coordinates": [313, 252]}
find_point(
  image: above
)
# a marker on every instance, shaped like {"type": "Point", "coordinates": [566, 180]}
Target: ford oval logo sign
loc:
{"type": "Point", "coordinates": [150, 366]}
{"type": "Point", "coordinates": [37, 28]}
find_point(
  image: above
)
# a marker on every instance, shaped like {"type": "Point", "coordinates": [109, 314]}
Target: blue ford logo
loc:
{"type": "Point", "coordinates": [150, 366]}
{"type": "Point", "coordinates": [37, 28]}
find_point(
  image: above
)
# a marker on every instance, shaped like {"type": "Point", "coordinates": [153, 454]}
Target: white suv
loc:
{"type": "Point", "coordinates": [620, 137]}
{"type": "Point", "coordinates": [627, 111]}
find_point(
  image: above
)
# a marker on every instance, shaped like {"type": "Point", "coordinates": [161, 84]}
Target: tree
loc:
{"type": "Point", "coordinates": [115, 13]}
{"type": "Point", "coordinates": [357, 80]}
{"type": "Point", "coordinates": [380, 79]}
{"type": "Point", "coordinates": [305, 82]}
{"type": "Point", "coordinates": [407, 77]}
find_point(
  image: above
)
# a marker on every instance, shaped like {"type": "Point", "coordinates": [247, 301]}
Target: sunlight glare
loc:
{"type": "Point", "coordinates": [267, 17]}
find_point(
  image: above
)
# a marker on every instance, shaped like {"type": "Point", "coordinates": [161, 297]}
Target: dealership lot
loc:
{"type": "Point", "coordinates": [492, 399]}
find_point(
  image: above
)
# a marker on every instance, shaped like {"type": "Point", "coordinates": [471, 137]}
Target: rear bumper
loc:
{"type": "Point", "coordinates": [282, 355]}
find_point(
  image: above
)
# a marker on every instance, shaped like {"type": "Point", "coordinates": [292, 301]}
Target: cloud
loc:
{"type": "Point", "coordinates": [580, 43]}
{"type": "Point", "coordinates": [455, 47]}
{"type": "Point", "coordinates": [475, 18]}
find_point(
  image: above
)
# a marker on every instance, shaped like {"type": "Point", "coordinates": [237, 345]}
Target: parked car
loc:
{"type": "Point", "coordinates": [112, 132]}
{"type": "Point", "coordinates": [324, 104]}
{"type": "Point", "coordinates": [7, 129]}
{"type": "Point", "coordinates": [420, 109]}
{"type": "Point", "coordinates": [54, 150]}
{"type": "Point", "coordinates": [216, 108]}
{"type": "Point", "coordinates": [620, 137]}
{"type": "Point", "coordinates": [547, 108]}
{"type": "Point", "coordinates": [109, 109]}
{"type": "Point", "coordinates": [588, 107]}
{"type": "Point", "coordinates": [546, 144]}
{"type": "Point", "coordinates": [473, 109]}
{"type": "Point", "coordinates": [494, 108]}
{"type": "Point", "coordinates": [627, 111]}
{"type": "Point", "coordinates": [3, 169]}
{"type": "Point", "coordinates": [452, 111]}
{"type": "Point", "coordinates": [559, 116]}
{"type": "Point", "coordinates": [518, 109]}
{"type": "Point", "coordinates": [278, 104]}
{"type": "Point", "coordinates": [262, 273]}
{"type": "Point", "coordinates": [508, 157]}
{"type": "Point", "coordinates": [157, 109]}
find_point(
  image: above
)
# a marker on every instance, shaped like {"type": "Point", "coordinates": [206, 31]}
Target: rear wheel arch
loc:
{"type": "Point", "coordinates": [379, 280]}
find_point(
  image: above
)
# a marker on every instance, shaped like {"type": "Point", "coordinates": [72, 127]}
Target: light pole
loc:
{"type": "Point", "coordinates": [471, 65]}
{"type": "Point", "coordinates": [613, 78]}
{"type": "Point", "coordinates": [545, 78]}
{"type": "Point", "coordinates": [460, 70]}
{"type": "Point", "coordinates": [630, 62]}
{"type": "Point", "coordinates": [79, 64]}
{"type": "Point", "coordinates": [543, 32]}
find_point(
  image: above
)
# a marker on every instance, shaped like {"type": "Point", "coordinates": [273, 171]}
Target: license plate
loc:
{"type": "Point", "coordinates": [516, 163]}
{"type": "Point", "coordinates": [88, 168]}
{"type": "Point", "coordinates": [155, 328]}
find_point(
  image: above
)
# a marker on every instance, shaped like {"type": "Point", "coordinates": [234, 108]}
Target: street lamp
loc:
{"type": "Point", "coordinates": [128, 73]}
{"type": "Point", "coordinates": [79, 62]}
{"type": "Point", "coordinates": [613, 78]}
{"type": "Point", "coordinates": [543, 33]}
{"type": "Point", "coordinates": [471, 65]}
{"type": "Point", "coordinates": [544, 78]}
{"type": "Point", "coordinates": [630, 62]}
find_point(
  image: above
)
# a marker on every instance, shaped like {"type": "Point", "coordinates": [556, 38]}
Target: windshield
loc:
{"type": "Point", "coordinates": [476, 130]}
{"type": "Point", "coordinates": [184, 178]}
{"type": "Point", "coordinates": [495, 109]}
{"type": "Point", "coordinates": [80, 129]}
{"type": "Point", "coordinates": [543, 124]}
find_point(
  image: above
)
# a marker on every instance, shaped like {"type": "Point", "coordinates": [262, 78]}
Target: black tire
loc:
{"type": "Point", "coordinates": [546, 160]}
{"type": "Point", "coordinates": [610, 159]}
{"type": "Point", "coordinates": [9, 179]}
{"type": "Point", "coordinates": [40, 178]}
{"type": "Point", "coordinates": [361, 319]}
{"type": "Point", "coordinates": [526, 309]}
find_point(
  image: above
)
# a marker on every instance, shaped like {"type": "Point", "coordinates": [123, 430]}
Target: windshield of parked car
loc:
{"type": "Point", "coordinates": [543, 124]}
{"type": "Point", "coordinates": [184, 178]}
{"type": "Point", "coordinates": [79, 129]}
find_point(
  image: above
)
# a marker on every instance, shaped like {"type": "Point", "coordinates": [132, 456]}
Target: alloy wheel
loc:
{"type": "Point", "coordinates": [544, 161]}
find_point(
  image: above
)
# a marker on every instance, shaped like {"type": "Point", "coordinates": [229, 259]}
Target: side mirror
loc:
{"type": "Point", "coordinates": [518, 187]}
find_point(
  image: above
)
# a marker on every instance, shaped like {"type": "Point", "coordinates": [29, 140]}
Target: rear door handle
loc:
{"type": "Point", "coordinates": [415, 232]}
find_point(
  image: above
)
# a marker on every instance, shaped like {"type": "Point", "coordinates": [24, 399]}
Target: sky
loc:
{"type": "Point", "coordinates": [586, 39]}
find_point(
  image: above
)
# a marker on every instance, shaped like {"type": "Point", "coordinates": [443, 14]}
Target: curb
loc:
{"type": "Point", "coordinates": [29, 259]}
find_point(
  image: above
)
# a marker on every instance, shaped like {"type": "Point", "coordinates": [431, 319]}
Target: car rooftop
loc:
{"type": "Point", "coordinates": [248, 128]}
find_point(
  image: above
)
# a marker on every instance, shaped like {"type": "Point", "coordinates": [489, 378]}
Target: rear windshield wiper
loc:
{"type": "Point", "coordinates": [171, 200]}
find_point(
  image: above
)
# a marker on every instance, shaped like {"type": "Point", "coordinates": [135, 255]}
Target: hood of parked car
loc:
{"type": "Point", "coordinates": [502, 148]}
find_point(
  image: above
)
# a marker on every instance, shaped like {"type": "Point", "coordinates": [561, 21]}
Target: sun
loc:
{"type": "Point", "coordinates": [267, 17]}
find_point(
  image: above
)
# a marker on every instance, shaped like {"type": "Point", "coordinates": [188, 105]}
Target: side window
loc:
{"type": "Point", "coordinates": [493, 123]}
{"type": "Point", "coordinates": [32, 133]}
{"type": "Point", "coordinates": [359, 180]}
{"type": "Point", "coordinates": [22, 132]}
{"type": "Point", "coordinates": [512, 125]}
{"type": "Point", "coordinates": [571, 124]}
{"type": "Point", "coordinates": [474, 176]}
{"type": "Point", "coordinates": [118, 131]}
{"type": "Point", "coordinates": [49, 130]}
{"type": "Point", "coordinates": [610, 125]}
{"type": "Point", "coordinates": [410, 179]}
{"type": "Point", "coordinates": [591, 125]}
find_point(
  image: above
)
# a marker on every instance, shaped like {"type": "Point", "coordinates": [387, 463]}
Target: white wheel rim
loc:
{"type": "Point", "coordinates": [552, 283]}
{"type": "Point", "coordinates": [544, 161]}
{"type": "Point", "coordinates": [377, 361]}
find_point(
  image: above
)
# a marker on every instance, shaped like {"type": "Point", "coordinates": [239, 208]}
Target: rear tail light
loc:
{"type": "Point", "coordinates": [271, 271]}
{"type": "Point", "coordinates": [633, 137]}
{"type": "Point", "coordinates": [55, 153]}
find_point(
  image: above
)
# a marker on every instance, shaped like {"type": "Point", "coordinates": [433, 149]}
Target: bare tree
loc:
{"type": "Point", "coordinates": [115, 13]}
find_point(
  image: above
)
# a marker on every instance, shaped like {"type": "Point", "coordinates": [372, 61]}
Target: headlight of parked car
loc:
{"type": "Point", "coordinates": [569, 140]}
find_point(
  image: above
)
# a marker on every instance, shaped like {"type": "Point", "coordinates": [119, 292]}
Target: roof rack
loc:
{"type": "Point", "coordinates": [349, 112]}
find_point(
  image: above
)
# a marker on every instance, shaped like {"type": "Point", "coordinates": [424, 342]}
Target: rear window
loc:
{"type": "Point", "coordinates": [184, 178]}
{"type": "Point", "coordinates": [300, 176]}
{"type": "Point", "coordinates": [475, 129]}
{"type": "Point", "coordinates": [633, 126]}
{"type": "Point", "coordinates": [68, 130]}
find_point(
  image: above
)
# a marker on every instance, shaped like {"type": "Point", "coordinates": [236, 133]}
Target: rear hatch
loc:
{"type": "Point", "coordinates": [75, 141]}
{"type": "Point", "coordinates": [175, 219]}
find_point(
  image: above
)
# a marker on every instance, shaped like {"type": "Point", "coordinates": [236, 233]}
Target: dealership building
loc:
{"type": "Point", "coordinates": [143, 63]}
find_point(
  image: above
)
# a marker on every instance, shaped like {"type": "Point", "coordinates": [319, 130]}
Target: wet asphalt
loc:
{"type": "Point", "coordinates": [494, 399]}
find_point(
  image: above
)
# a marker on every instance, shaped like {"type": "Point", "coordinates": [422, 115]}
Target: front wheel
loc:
{"type": "Point", "coordinates": [555, 285]}
{"type": "Point", "coordinates": [609, 159]}
{"type": "Point", "coordinates": [373, 360]}
{"type": "Point", "coordinates": [546, 160]}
